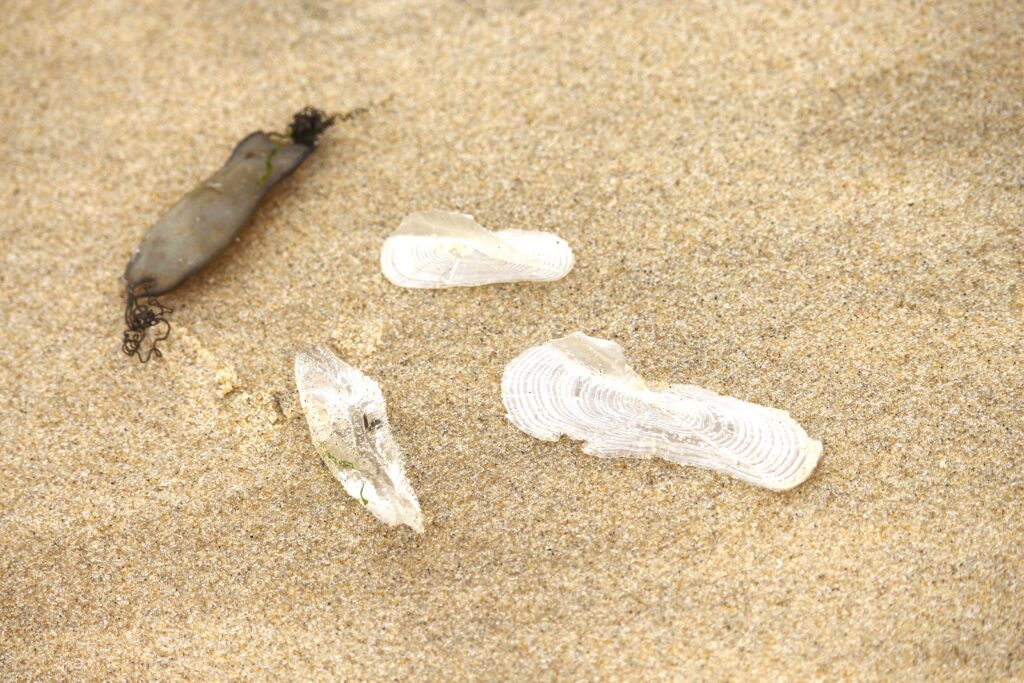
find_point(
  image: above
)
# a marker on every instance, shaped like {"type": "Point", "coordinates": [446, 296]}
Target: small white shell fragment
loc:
{"type": "Point", "coordinates": [439, 249]}
{"type": "Point", "coordinates": [348, 421]}
{"type": "Point", "coordinates": [582, 387]}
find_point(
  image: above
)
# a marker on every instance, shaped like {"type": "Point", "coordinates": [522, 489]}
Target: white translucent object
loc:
{"type": "Point", "coordinates": [582, 387]}
{"type": "Point", "coordinates": [348, 421]}
{"type": "Point", "coordinates": [438, 249]}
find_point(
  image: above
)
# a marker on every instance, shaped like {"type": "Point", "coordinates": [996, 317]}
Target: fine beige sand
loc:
{"type": "Point", "coordinates": [817, 208]}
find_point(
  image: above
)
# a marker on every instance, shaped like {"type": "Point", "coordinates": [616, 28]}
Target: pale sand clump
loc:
{"type": "Point", "coordinates": [818, 208]}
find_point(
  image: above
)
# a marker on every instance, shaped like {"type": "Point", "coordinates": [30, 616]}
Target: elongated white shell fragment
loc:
{"type": "Point", "coordinates": [348, 421]}
{"type": "Point", "coordinates": [582, 387]}
{"type": "Point", "coordinates": [440, 249]}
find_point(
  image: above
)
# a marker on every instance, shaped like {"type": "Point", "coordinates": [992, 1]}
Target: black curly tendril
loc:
{"type": "Point", "coordinates": [138, 318]}
{"type": "Point", "coordinates": [308, 124]}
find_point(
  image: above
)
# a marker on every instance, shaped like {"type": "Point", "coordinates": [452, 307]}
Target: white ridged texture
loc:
{"type": "Point", "coordinates": [439, 249]}
{"type": "Point", "coordinates": [583, 388]}
{"type": "Point", "coordinates": [348, 421]}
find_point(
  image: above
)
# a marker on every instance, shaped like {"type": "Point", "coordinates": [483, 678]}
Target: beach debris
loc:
{"type": "Point", "coordinates": [205, 221]}
{"type": "Point", "coordinates": [439, 249]}
{"type": "Point", "coordinates": [348, 422]}
{"type": "Point", "coordinates": [583, 387]}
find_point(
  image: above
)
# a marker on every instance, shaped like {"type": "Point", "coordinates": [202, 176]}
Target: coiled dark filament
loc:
{"type": "Point", "coordinates": [139, 318]}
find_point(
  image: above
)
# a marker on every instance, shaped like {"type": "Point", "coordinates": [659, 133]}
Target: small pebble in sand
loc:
{"type": "Point", "coordinates": [348, 421]}
{"type": "Point", "coordinates": [440, 249]}
{"type": "Point", "coordinates": [583, 387]}
{"type": "Point", "coordinates": [227, 380]}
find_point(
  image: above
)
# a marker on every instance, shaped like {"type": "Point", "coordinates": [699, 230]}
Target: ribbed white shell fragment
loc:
{"type": "Point", "coordinates": [348, 421]}
{"type": "Point", "coordinates": [438, 249]}
{"type": "Point", "coordinates": [582, 387]}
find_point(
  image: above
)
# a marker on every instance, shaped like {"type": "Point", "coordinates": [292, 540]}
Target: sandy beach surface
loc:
{"type": "Point", "coordinates": [812, 206]}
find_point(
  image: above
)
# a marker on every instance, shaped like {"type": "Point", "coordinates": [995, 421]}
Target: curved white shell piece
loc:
{"type": "Point", "coordinates": [348, 421]}
{"type": "Point", "coordinates": [439, 249]}
{"type": "Point", "coordinates": [582, 387]}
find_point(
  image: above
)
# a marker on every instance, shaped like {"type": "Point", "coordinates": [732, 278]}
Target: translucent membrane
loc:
{"type": "Point", "coordinates": [348, 421]}
{"type": "Point", "coordinates": [582, 387]}
{"type": "Point", "coordinates": [439, 249]}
